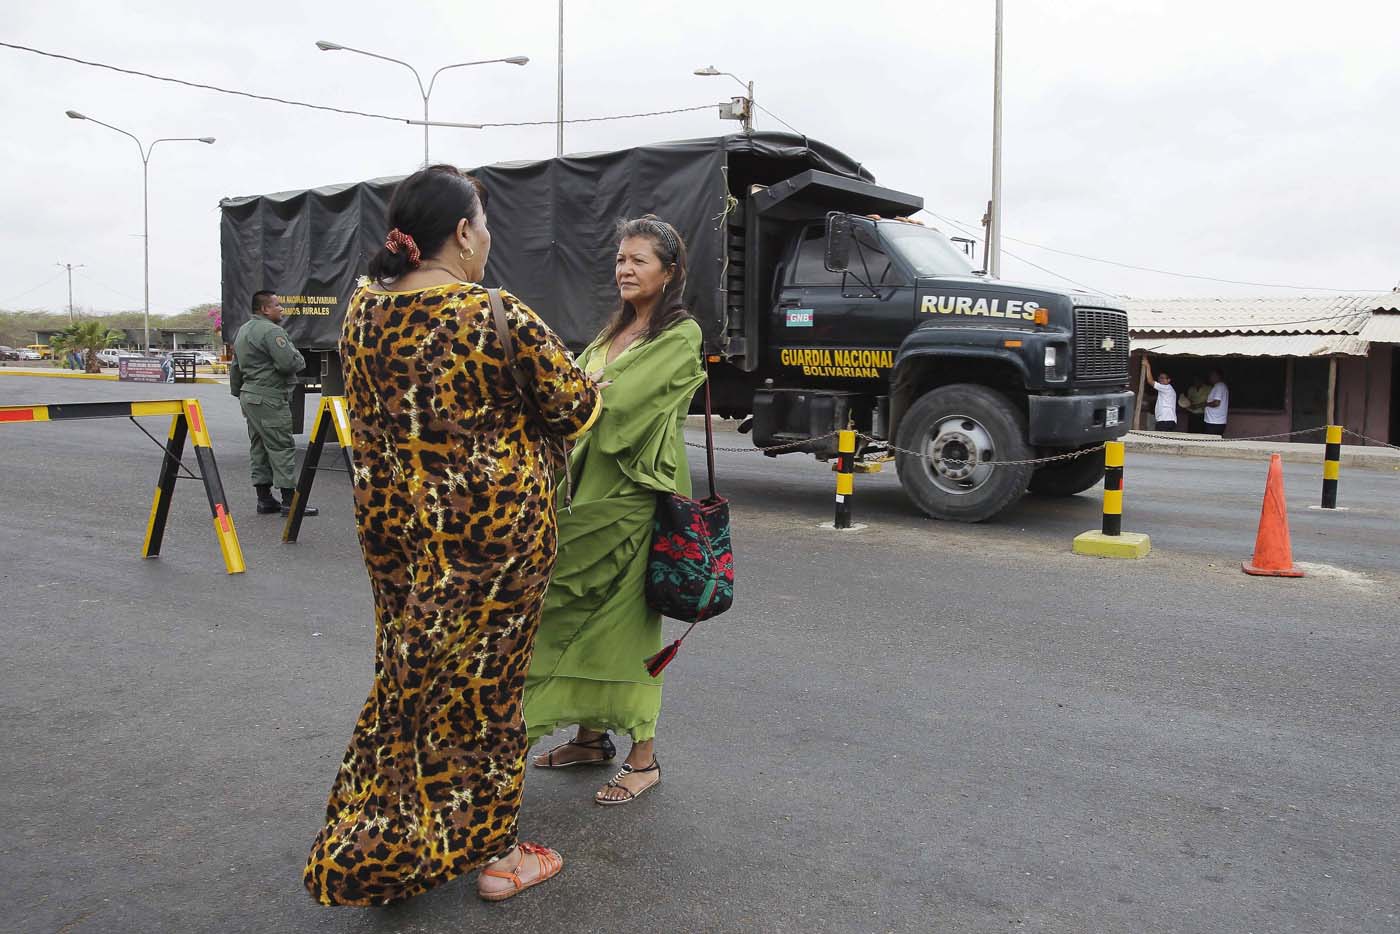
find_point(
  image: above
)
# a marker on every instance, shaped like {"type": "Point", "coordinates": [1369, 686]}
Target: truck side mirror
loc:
{"type": "Point", "coordinates": [839, 238]}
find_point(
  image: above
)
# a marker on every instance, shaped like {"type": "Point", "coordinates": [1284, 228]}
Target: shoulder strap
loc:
{"type": "Point", "coordinates": [709, 428]}
{"type": "Point", "coordinates": [498, 318]}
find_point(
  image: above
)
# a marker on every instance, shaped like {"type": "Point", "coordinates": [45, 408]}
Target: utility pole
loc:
{"type": "Point", "coordinates": [559, 150]}
{"type": "Point", "coordinates": [994, 210]}
{"type": "Point", "coordinates": [70, 267]}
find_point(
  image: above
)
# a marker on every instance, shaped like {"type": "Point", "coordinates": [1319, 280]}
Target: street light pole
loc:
{"type": "Point", "coordinates": [993, 250]}
{"type": "Point", "coordinates": [70, 267]}
{"type": "Point", "coordinates": [423, 92]}
{"type": "Point", "coordinates": [145, 152]}
{"type": "Point", "coordinates": [710, 71]}
{"type": "Point", "coordinates": [559, 149]}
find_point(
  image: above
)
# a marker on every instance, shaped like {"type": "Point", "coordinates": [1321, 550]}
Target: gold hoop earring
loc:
{"type": "Point", "coordinates": [466, 254]}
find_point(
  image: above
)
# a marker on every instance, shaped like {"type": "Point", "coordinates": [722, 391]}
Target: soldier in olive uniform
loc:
{"type": "Point", "coordinates": [264, 362]}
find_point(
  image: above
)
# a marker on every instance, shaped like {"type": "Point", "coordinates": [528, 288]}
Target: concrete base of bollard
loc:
{"type": "Point", "coordinates": [1126, 545]}
{"type": "Point", "coordinates": [1329, 508]}
{"type": "Point", "coordinates": [831, 527]}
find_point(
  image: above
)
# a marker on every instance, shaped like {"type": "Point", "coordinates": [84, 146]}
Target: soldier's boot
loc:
{"type": "Point", "coordinates": [267, 504]}
{"type": "Point", "coordinates": [286, 507]}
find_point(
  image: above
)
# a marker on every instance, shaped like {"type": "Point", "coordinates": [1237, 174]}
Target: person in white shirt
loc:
{"type": "Point", "coordinates": [1217, 404]}
{"type": "Point", "coordinates": [1164, 412]}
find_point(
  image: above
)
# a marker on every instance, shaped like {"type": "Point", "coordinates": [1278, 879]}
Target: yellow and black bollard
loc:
{"type": "Point", "coordinates": [845, 476]}
{"type": "Point", "coordinates": [1111, 541]}
{"type": "Point", "coordinates": [1332, 466]}
{"type": "Point", "coordinates": [1113, 488]}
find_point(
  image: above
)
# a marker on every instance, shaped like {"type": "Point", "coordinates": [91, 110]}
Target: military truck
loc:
{"type": "Point", "coordinates": [823, 306]}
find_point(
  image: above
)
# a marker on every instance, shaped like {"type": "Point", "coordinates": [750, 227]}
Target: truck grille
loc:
{"type": "Point", "coordinates": [1100, 344]}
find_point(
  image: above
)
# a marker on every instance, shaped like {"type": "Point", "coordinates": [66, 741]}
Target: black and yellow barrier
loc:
{"type": "Point", "coordinates": [845, 477]}
{"type": "Point", "coordinates": [187, 419]}
{"type": "Point", "coordinates": [330, 416]}
{"type": "Point", "coordinates": [1111, 541]}
{"type": "Point", "coordinates": [1331, 466]}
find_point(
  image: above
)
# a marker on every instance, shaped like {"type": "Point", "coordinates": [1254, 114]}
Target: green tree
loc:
{"type": "Point", "coordinates": [86, 337]}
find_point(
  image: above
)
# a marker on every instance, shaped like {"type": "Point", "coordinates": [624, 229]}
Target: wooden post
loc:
{"type": "Point", "coordinates": [1142, 387]}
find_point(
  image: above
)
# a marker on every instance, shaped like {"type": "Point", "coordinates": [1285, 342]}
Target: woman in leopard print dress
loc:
{"type": "Point", "coordinates": [453, 486]}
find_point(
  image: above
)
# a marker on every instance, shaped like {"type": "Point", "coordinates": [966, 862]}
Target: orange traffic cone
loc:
{"type": "Point", "coordinates": [1273, 552]}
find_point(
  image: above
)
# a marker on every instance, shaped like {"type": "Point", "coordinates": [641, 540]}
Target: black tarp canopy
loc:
{"type": "Point", "coordinates": [552, 227]}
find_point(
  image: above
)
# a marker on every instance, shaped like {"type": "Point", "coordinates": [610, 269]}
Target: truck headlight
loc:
{"type": "Point", "coordinates": [1054, 363]}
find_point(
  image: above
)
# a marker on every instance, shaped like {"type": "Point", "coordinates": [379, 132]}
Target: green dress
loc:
{"type": "Point", "coordinates": [596, 628]}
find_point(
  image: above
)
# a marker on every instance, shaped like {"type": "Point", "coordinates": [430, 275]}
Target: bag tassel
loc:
{"type": "Point", "coordinates": [658, 662]}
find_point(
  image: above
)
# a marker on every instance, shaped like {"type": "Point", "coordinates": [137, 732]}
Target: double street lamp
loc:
{"type": "Point", "coordinates": [145, 202]}
{"type": "Point", "coordinates": [424, 91]}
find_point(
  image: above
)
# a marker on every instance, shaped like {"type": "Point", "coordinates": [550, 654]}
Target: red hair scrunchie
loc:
{"type": "Point", "coordinates": [397, 238]}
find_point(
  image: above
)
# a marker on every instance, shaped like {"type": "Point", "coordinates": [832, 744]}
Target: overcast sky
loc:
{"type": "Point", "coordinates": [1253, 140]}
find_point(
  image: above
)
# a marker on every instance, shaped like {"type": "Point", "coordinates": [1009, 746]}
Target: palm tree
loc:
{"type": "Point", "coordinates": [86, 337]}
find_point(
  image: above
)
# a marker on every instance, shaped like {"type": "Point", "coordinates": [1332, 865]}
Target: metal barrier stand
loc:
{"type": "Point", "coordinates": [330, 416]}
{"type": "Point", "coordinates": [187, 419]}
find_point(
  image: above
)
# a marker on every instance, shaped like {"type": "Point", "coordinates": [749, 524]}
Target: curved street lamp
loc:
{"type": "Point", "coordinates": [710, 71]}
{"type": "Point", "coordinates": [424, 91]}
{"type": "Point", "coordinates": [145, 152]}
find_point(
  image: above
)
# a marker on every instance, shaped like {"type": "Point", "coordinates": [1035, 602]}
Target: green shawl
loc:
{"type": "Point", "coordinates": [596, 627]}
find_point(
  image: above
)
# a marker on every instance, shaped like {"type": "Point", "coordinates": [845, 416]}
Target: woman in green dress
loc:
{"type": "Point", "coordinates": [596, 628]}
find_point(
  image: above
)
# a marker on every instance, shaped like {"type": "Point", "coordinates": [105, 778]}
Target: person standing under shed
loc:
{"type": "Point", "coordinates": [1164, 411]}
{"type": "Point", "coordinates": [1217, 404]}
{"type": "Point", "coordinates": [264, 363]}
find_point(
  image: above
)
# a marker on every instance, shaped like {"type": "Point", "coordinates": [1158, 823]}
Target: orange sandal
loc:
{"type": "Point", "coordinates": [550, 863]}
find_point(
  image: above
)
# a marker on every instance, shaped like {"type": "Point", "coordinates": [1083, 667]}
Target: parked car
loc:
{"type": "Point", "coordinates": [8, 353]}
{"type": "Point", "coordinates": [109, 356]}
{"type": "Point", "coordinates": [24, 353]}
{"type": "Point", "coordinates": [44, 351]}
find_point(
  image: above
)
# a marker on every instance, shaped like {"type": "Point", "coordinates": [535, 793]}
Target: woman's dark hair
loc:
{"type": "Point", "coordinates": [670, 249]}
{"type": "Point", "coordinates": [427, 206]}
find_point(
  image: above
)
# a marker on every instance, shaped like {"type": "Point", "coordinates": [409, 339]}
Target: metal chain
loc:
{"type": "Point", "coordinates": [792, 446]}
{"type": "Point", "coordinates": [1375, 441]}
{"type": "Point", "coordinates": [895, 450]}
{"type": "Point", "coordinates": [1215, 439]}
{"type": "Point", "coordinates": [1070, 455]}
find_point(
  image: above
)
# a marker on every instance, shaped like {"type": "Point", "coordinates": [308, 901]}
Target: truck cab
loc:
{"type": "Point", "coordinates": [882, 324]}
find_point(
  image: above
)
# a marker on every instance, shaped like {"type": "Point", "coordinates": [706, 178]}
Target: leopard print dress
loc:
{"type": "Point", "coordinates": [453, 500]}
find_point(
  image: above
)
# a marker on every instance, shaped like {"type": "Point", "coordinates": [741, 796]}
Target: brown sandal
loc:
{"type": "Point", "coordinates": [602, 744]}
{"type": "Point", "coordinates": [550, 864]}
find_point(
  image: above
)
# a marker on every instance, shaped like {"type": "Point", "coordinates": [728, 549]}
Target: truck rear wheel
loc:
{"type": "Point", "coordinates": [1066, 478]}
{"type": "Point", "coordinates": [949, 440]}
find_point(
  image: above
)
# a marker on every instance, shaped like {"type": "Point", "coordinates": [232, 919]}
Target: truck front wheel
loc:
{"type": "Point", "coordinates": [949, 441]}
{"type": "Point", "coordinates": [1066, 478]}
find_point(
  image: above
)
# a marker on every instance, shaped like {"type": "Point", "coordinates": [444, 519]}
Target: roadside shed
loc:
{"type": "Point", "coordinates": [1292, 364]}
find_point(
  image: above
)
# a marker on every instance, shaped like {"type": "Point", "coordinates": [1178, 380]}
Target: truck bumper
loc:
{"type": "Point", "coordinates": [1069, 421]}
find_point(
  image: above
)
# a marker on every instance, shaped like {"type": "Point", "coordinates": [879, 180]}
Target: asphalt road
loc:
{"type": "Point", "coordinates": [919, 726]}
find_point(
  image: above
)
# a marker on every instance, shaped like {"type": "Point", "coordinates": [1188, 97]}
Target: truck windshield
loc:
{"type": "Point", "coordinates": [927, 251]}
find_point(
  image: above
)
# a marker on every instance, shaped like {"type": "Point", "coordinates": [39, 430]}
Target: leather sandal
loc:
{"type": "Point", "coordinates": [550, 864]}
{"type": "Point", "coordinates": [616, 782]}
{"type": "Point", "coordinates": [602, 744]}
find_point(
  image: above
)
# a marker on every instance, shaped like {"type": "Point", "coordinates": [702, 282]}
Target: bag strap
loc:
{"type": "Point", "coordinates": [498, 318]}
{"type": "Point", "coordinates": [709, 428]}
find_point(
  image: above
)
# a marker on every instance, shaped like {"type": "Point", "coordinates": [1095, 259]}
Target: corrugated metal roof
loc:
{"type": "Point", "coordinates": [1308, 314]}
{"type": "Point", "coordinates": [1382, 329]}
{"type": "Point", "coordinates": [1253, 345]}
